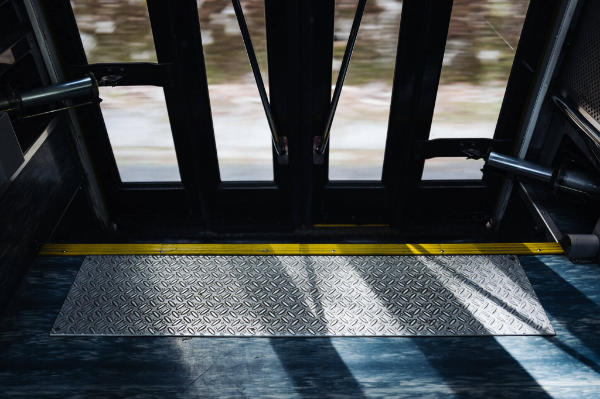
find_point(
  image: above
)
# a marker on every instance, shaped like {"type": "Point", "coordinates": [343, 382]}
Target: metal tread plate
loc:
{"type": "Point", "coordinates": [141, 295]}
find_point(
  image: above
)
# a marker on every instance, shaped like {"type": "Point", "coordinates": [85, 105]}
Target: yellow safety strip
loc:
{"type": "Point", "coordinates": [526, 248]}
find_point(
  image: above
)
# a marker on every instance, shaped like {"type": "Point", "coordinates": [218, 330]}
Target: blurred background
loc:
{"type": "Point", "coordinates": [482, 40]}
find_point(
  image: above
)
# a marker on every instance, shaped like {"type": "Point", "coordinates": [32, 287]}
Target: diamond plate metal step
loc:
{"type": "Point", "coordinates": [141, 295]}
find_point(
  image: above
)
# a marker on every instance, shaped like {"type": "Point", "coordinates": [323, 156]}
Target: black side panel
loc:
{"type": "Point", "coordinates": [580, 76]}
{"type": "Point", "coordinates": [33, 204]}
{"type": "Point", "coordinates": [69, 52]}
{"type": "Point", "coordinates": [21, 67]}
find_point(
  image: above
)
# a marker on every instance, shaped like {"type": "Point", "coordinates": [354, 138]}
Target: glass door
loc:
{"type": "Point", "coordinates": [218, 109]}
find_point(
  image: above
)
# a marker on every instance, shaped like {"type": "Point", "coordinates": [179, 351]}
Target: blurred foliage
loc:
{"type": "Point", "coordinates": [478, 48]}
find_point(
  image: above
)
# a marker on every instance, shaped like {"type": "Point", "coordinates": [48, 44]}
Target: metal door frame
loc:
{"type": "Point", "coordinates": [300, 46]}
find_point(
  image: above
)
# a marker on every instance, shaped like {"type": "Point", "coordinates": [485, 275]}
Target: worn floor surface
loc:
{"type": "Point", "coordinates": [34, 364]}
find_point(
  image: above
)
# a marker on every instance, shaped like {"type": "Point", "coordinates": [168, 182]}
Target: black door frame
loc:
{"type": "Point", "coordinates": [299, 42]}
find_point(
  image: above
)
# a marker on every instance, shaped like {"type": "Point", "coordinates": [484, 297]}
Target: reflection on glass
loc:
{"type": "Point", "coordinates": [241, 129]}
{"type": "Point", "coordinates": [359, 129]}
{"type": "Point", "coordinates": [452, 168]}
{"type": "Point", "coordinates": [480, 49]}
{"type": "Point", "coordinates": [7, 57]}
{"type": "Point", "coordinates": [115, 31]}
{"type": "Point", "coordinates": [140, 134]}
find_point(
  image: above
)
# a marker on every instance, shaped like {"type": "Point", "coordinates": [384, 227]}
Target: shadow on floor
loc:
{"type": "Point", "coordinates": [565, 303]}
{"type": "Point", "coordinates": [471, 366]}
{"type": "Point", "coordinates": [33, 364]}
{"type": "Point", "coordinates": [316, 368]}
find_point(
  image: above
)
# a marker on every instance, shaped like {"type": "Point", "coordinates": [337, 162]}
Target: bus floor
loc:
{"type": "Point", "coordinates": [35, 364]}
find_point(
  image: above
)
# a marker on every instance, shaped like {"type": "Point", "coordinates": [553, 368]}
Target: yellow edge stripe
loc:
{"type": "Point", "coordinates": [527, 248]}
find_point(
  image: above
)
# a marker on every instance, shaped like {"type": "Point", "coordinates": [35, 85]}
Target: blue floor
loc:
{"type": "Point", "coordinates": [33, 364]}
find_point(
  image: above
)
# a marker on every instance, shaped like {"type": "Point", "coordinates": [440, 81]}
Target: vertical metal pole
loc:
{"type": "Point", "coordinates": [524, 140]}
{"type": "Point", "coordinates": [419, 57]}
{"type": "Point", "coordinates": [177, 40]}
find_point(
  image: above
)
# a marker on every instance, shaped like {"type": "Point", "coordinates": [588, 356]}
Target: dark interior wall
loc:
{"type": "Point", "coordinates": [558, 141]}
{"type": "Point", "coordinates": [34, 198]}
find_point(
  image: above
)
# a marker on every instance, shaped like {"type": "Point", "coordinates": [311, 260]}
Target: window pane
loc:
{"type": "Point", "coordinates": [359, 129]}
{"type": "Point", "coordinates": [140, 134]}
{"type": "Point", "coordinates": [453, 168]}
{"type": "Point", "coordinates": [115, 30]}
{"type": "Point", "coordinates": [480, 50]}
{"type": "Point", "coordinates": [241, 130]}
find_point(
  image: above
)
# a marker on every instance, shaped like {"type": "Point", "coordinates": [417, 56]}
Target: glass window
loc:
{"type": "Point", "coordinates": [136, 117]}
{"type": "Point", "coordinates": [115, 30]}
{"type": "Point", "coordinates": [480, 49]}
{"type": "Point", "coordinates": [359, 129]}
{"type": "Point", "coordinates": [449, 168]}
{"type": "Point", "coordinates": [140, 134]}
{"type": "Point", "coordinates": [242, 133]}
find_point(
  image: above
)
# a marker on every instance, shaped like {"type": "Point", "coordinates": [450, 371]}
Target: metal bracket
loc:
{"type": "Point", "coordinates": [128, 74]}
{"type": "Point", "coordinates": [472, 148]}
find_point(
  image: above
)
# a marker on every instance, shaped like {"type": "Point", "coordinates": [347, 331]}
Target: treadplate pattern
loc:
{"type": "Point", "coordinates": [301, 296]}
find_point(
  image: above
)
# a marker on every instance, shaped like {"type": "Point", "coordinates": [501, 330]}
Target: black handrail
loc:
{"type": "Point", "coordinates": [278, 142]}
{"type": "Point", "coordinates": [323, 141]}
